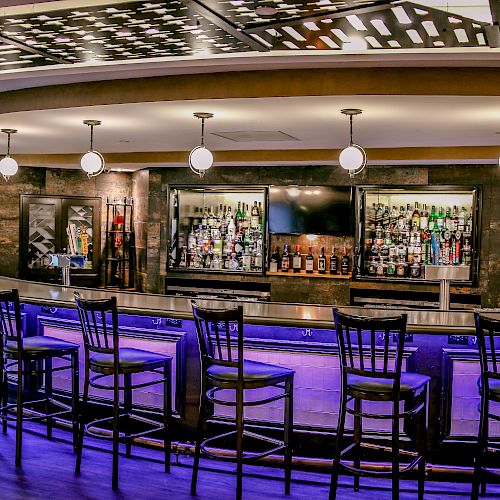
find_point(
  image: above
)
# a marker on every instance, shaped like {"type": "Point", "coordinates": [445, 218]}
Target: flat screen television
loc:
{"type": "Point", "coordinates": [311, 210]}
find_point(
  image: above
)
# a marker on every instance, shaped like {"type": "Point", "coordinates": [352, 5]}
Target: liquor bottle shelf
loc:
{"type": "Point", "coordinates": [314, 274]}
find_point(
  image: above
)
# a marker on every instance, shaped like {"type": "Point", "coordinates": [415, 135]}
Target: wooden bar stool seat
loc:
{"type": "Point", "coordinates": [22, 356]}
{"type": "Point", "coordinates": [371, 371]}
{"type": "Point", "coordinates": [104, 358]}
{"type": "Point", "coordinates": [220, 331]}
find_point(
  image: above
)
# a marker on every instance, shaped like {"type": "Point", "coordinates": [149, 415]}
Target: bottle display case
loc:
{"type": "Point", "coordinates": [119, 248]}
{"type": "Point", "coordinates": [401, 231]}
{"type": "Point", "coordinates": [217, 229]}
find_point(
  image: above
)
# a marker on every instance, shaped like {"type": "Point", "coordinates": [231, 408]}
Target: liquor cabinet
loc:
{"type": "Point", "coordinates": [217, 229]}
{"type": "Point", "coordinates": [400, 231]}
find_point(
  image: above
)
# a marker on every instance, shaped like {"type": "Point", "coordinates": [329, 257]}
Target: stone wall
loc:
{"type": "Point", "coordinates": [51, 182]}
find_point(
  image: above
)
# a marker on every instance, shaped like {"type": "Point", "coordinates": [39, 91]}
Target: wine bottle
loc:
{"type": "Point", "coordinates": [345, 261]}
{"type": "Point", "coordinates": [322, 262]}
{"type": "Point", "coordinates": [297, 260]}
{"type": "Point", "coordinates": [333, 262]}
{"type": "Point", "coordinates": [309, 261]}
{"type": "Point", "coordinates": [285, 260]}
{"type": "Point", "coordinates": [275, 260]}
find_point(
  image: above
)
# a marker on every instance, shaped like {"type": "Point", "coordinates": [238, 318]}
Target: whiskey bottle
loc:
{"type": "Point", "coordinates": [345, 261]}
{"type": "Point", "coordinates": [285, 260]}
{"type": "Point", "coordinates": [322, 262]}
{"type": "Point", "coordinates": [309, 261]}
{"type": "Point", "coordinates": [297, 260]}
{"type": "Point", "coordinates": [333, 262]}
{"type": "Point", "coordinates": [415, 218]}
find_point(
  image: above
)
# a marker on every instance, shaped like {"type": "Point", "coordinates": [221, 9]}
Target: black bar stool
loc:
{"type": "Point", "coordinates": [367, 375]}
{"type": "Point", "coordinates": [221, 370]}
{"type": "Point", "coordinates": [104, 357]}
{"type": "Point", "coordinates": [488, 340]}
{"type": "Point", "coordinates": [20, 356]}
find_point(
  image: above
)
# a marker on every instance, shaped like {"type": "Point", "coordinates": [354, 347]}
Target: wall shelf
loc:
{"type": "Point", "coordinates": [314, 274]}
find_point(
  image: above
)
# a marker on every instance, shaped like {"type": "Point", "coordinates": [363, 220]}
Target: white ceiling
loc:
{"type": "Point", "coordinates": [386, 122]}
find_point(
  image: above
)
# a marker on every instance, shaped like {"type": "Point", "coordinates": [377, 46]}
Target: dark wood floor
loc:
{"type": "Point", "coordinates": [47, 473]}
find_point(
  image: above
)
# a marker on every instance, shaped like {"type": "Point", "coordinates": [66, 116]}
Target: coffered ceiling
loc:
{"type": "Point", "coordinates": [90, 31]}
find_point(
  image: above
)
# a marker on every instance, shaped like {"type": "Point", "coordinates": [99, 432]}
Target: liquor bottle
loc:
{"type": "Point", "coordinates": [254, 220]}
{"type": "Point", "coordinates": [415, 218]}
{"type": "Point", "coordinates": [386, 218]}
{"type": "Point", "coordinates": [381, 268]}
{"type": "Point", "coordinates": [211, 218]}
{"type": "Point", "coordinates": [229, 215]}
{"type": "Point", "coordinates": [424, 218]}
{"type": "Point", "coordinates": [322, 262]}
{"type": "Point", "coordinates": [285, 260]}
{"type": "Point", "coordinates": [246, 258]}
{"type": "Point", "coordinates": [454, 218]}
{"type": "Point", "coordinates": [275, 260]}
{"type": "Point", "coordinates": [440, 219]}
{"type": "Point", "coordinates": [408, 215]}
{"type": "Point", "coordinates": [401, 269]}
{"type": "Point", "coordinates": [432, 218]}
{"type": "Point", "coordinates": [462, 215]}
{"type": "Point", "coordinates": [466, 252]}
{"type": "Point", "coordinates": [297, 260]}
{"type": "Point", "coordinates": [204, 220]}
{"type": "Point", "coordinates": [309, 261]}
{"type": "Point", "coordinates": [448, 221]}
{"type": "Point", "coordinates": [243, 217]}
{"type": "Point", "coordinates": [238, 220]}
{"type": "Point", "coordinates": [401, 218]}
{"type": "Point", "coordinates": [391, 268]}
{"type": "Point", "coordinates": [417, 248]}
{"type": "Point", "coordinates": [257, 260]}
{"type": "Point", "coordinates": [333, 262]}
{"type": "Point", "coordinates": [248, 218]}
{"type": "Point", "coordinates": [345, 263]}
{"type": "Point", "coordinates": [231, 228]}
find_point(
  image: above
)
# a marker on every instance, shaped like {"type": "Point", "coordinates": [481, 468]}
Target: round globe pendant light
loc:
{"type": "Point", "coordinates": [200, 158]}
{"type": "Point", "coordinates": [8, 166]}
{"type": "Point", "coordinates": [92, 162]}
{"type": "Point", "coordinates": [353, 157]}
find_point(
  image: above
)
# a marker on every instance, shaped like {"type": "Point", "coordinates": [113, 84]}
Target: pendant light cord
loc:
{"type": "Point", "coordinates": [91, 137]}
{"type": "Point", "coordinates": [203, 132]}
{"type": "Point", "coordinates": [350, 127]}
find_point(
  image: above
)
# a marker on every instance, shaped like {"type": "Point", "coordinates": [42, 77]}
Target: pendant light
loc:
{"type": "Point", "coordinates": [200, 158]}
{"type": "Point", "coordinates": [353, 157]}
{"type": "Point", "coordinates": [8, 166]}
{"type": "Point", "coordinates": [92, 161]}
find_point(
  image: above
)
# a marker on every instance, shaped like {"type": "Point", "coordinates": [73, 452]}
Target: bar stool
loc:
{"type": "Point", "coordinates": [368, 375]}
{"type": "Point", "coordinates": [21, 356]}
{"type": "Point", "coordinates": [104, 357]}
{"type": "Point", "coordinates": [220, 370]}
{"type": "Point", "coordinates": [488, 340]}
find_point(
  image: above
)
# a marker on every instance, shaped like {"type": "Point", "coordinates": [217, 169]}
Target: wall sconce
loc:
{"type": "Point", "coordinates": [8, 166]}
{"type": "Point", "coordinates": [200, 158]}
{"type": "Point", "coordinates": [352, 158]}
{"type": "Point", "coordinates": [92, 161]}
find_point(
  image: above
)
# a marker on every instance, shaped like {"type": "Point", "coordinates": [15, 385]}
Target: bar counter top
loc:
{"type": "Point", "coordinates": [268, 313]}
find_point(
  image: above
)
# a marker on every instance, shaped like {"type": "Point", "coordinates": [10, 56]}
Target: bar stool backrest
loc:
{"type": "Point", "coordinates": [361, 352]}
{"type": "Point", "coordinates": [488, 340]}
{"type": "Point", "coordinates": [214, 328]}
{"type": "Point", "coordinates": [99, 322]}
{"type": "Point", "coordinates": [10, 318]}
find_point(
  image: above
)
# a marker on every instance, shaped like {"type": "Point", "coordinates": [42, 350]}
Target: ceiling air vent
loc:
{"type": "Point", "coordinates": [256, 136]}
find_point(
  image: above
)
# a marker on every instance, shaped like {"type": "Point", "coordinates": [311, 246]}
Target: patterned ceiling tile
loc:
{"type": "Point", "coordinates": [142, 29]}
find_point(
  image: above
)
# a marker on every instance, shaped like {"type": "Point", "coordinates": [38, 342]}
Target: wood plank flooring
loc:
{"type": "Point", "coordinates": [47, 473]}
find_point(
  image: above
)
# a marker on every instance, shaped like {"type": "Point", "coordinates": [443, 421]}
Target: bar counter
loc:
{"type": "Point", "coordinates": [441, 344]}
{"type": "Point", "coordinates": [259, 313]}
